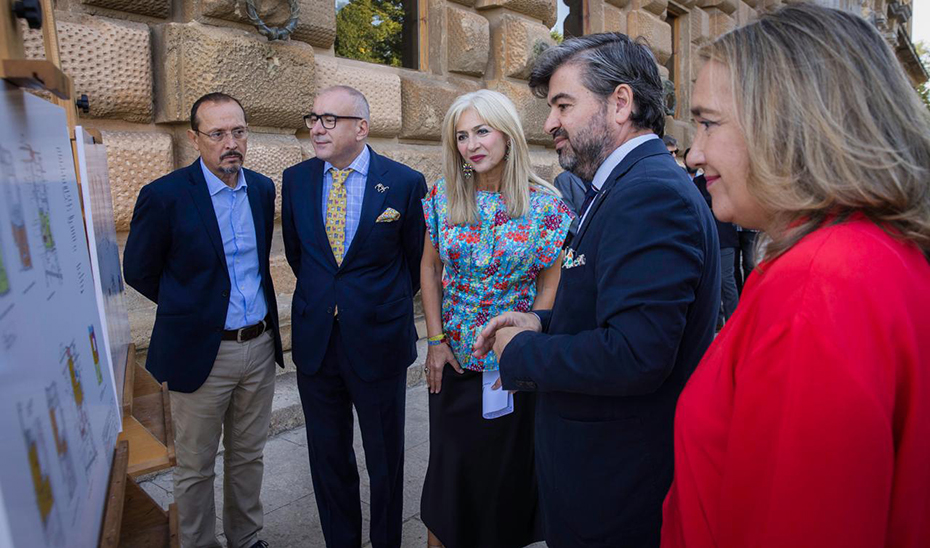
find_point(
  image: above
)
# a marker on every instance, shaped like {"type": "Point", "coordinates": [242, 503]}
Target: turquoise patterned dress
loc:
{"type": "Point", "coordinates": [491, 267]}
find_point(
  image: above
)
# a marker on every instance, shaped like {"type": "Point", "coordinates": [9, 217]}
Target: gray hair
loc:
{"type": "Point", "coordinates": [361, 103]}
{"type": "Point", "coordinates": [608, 60]}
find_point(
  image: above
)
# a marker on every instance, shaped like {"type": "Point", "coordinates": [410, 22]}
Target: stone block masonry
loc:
{"type": "Point", "coordinates": [109, 60]}
{"type": "Point", "coordinates": [273, 81]}
{"type": "Point", "coordinates": [517, 41]}
{"type": "Point", "coordinates": [382, 88]}
{"type": "Point", "coordinates": [134, 159]}
{"type": "Point", "coordinates": [468, 41]}
{"type": "Point", "coordinates": [144, 62]}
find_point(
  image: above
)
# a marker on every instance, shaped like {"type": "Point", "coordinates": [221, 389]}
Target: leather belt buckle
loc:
{"type": "Point", "coordinates": [245, 334]}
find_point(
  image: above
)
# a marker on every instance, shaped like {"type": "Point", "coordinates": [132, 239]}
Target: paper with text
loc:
{"type": "Point", "coordinates": [494, 403]}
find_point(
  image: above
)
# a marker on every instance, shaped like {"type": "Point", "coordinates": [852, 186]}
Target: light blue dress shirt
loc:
{"type": "Point", "coordinates": [612, 161]}
{"type": "Point", "coordinates": [355, 192]}
{"type": "Point", "coordinates": [247, 304]}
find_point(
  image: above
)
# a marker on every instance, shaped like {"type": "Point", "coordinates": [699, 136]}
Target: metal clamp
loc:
{"type": "Point", "coordinates": [274, 33]}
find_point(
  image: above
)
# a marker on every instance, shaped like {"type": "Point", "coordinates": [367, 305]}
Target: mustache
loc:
{"type": "Point", "coordinates": [559, 132]}
{"type": "Point", "coordinates": [231, 154]}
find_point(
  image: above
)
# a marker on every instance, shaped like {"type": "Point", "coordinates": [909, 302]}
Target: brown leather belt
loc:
{"type": "Point", "coordinates": [244, 334]}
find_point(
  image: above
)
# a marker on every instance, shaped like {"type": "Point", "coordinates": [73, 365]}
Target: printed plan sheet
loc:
{"type": "Point", "coordinates": [104, 254]}
{"type": "Point", "coordinates": [59, 417]}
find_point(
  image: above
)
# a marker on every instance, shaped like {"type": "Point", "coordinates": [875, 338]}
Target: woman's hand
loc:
{"type": "Point", "coordinates": [437, 357]}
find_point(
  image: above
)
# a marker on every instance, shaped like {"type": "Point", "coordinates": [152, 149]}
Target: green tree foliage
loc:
{"type": "Point", "coordinates": [923, 51]}
{"type": "Point", "coordinates": [557, 36]}
{"type": "Point", "coordinates": [371, 30]}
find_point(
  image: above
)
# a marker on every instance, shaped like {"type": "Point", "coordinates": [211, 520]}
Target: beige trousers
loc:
{"type": "Point", "coordinates": [235, 400]}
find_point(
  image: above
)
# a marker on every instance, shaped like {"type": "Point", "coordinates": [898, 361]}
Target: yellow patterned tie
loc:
{"type": "Point", "coordinates": [336, 213]}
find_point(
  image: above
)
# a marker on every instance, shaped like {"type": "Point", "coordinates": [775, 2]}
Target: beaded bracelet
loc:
{"type": "Point", "coordinates": [436, 340]}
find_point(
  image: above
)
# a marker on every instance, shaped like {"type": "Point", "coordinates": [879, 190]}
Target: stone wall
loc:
{"type": "Point", "coordinates": [144, 62]}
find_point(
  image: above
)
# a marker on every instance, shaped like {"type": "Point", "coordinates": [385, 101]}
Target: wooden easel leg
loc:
{"type": "Point", "coordinates": [113, 513]}
{"type": "Point", "coordinates": [147, 524]}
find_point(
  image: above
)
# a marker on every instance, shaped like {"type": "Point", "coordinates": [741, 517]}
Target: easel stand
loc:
{"type": "Point", "coordinates": [131, 517]}
{"type": "Point", "coordinates": [147, 423]}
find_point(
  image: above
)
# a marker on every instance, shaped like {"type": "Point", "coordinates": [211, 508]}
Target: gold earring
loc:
{"type": "Point", "coordinates": [467, 169]}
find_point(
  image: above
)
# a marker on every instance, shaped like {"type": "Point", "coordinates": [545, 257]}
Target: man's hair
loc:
{"type": "Point", "coordinates": [688, 168]}
{"type": "Point", "coordinates": [608, 60]}
{"type": "Point", "coordinates": [670, 141]}
{"type": "Point", "coordinates": [361, 103]}
{"type": "Point", "coordinates": [215, 97]}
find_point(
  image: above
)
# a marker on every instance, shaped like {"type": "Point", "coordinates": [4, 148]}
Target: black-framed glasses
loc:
{"type": "Point", "coordinates": [219, 135]}
{"type": "Point", "coordinates": [328, 120]}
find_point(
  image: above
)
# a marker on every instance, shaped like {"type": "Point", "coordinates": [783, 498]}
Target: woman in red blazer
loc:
{"type": "Point", "coordinates": [807, 423]}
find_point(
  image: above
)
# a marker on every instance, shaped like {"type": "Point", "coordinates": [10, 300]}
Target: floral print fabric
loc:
{"type": "Point", "coordinates": [491, 267]}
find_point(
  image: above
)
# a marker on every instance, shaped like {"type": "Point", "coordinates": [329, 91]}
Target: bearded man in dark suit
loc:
{"type": "Point", "coordinates": [636, 304]}
{"type": "Point", "coordinates": [198, 247]}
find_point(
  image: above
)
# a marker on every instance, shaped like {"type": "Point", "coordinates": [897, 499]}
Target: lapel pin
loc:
{"type": "Point", "coordinates": [381, 188]}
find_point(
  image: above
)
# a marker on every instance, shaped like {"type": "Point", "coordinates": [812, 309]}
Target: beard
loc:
{"type": "Point", "coordinates": [584, 153]}
{"type": "Point", "coordinates": [233, 169]}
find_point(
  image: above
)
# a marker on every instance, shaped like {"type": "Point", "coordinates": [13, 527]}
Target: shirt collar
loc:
{"type": "Point", "coordinates": [215, 185]}
{"type": "Point", "coordinates": [616, 157]}
{"type": "Point", "coordinates": [359, 164]}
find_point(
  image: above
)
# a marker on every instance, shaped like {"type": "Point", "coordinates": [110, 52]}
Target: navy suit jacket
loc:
{"type": "Point", "coordinates": [726, 232]}
{"type": "Point", "coordinates": [635, 310]}
{"type": "Point", "coordinates": [379, 275]}
{"type": "Point", "coordinates": [174, 256]}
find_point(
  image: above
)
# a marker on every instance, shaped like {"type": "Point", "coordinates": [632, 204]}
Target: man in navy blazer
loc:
{"type": "Point", "coordinates": [198, 247]}
{"type": "Point", "coordinates": [353, 234]}
{"type": "Point", "coordinates": [636, 304]}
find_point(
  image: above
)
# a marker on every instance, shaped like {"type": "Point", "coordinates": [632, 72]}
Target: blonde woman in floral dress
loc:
{"type": "Point", "coordinates": [494, 235]}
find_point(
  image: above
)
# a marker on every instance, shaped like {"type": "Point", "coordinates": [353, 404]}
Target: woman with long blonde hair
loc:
{"type": "Point", "coordinates": [807, 423]}
{"type": "Point", "coordinates": [494, 236]}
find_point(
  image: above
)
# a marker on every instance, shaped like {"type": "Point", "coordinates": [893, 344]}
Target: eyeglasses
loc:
{"type": "Point", "coordinates": [219, 136]}
{"type": "Point", "coordinates": [328, 120]}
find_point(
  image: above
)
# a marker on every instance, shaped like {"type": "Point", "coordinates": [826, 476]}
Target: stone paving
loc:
{"type": "Point", "coordinates": [291, 518]}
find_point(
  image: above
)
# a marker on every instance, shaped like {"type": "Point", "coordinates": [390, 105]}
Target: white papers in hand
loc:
{"type": "Point", "coordinates": [494, 403]}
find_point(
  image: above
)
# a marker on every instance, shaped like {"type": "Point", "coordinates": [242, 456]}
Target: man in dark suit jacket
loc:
{"type": "Point", "coordinates": [574, 191]}
{"type": "Point", "coordinates": [353, 234]}
{"type": "Point", "coordinates": [198, 247]}
{"type": "Point", "coordinates": [729, 244]}
{"type": "Point", "coordinates": [636, 304]}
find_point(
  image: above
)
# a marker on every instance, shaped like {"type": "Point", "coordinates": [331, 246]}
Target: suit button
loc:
{"type": "Point", "coordinates": [226, 293]}
{"type": "Point", "coordinates": [329, 310]}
